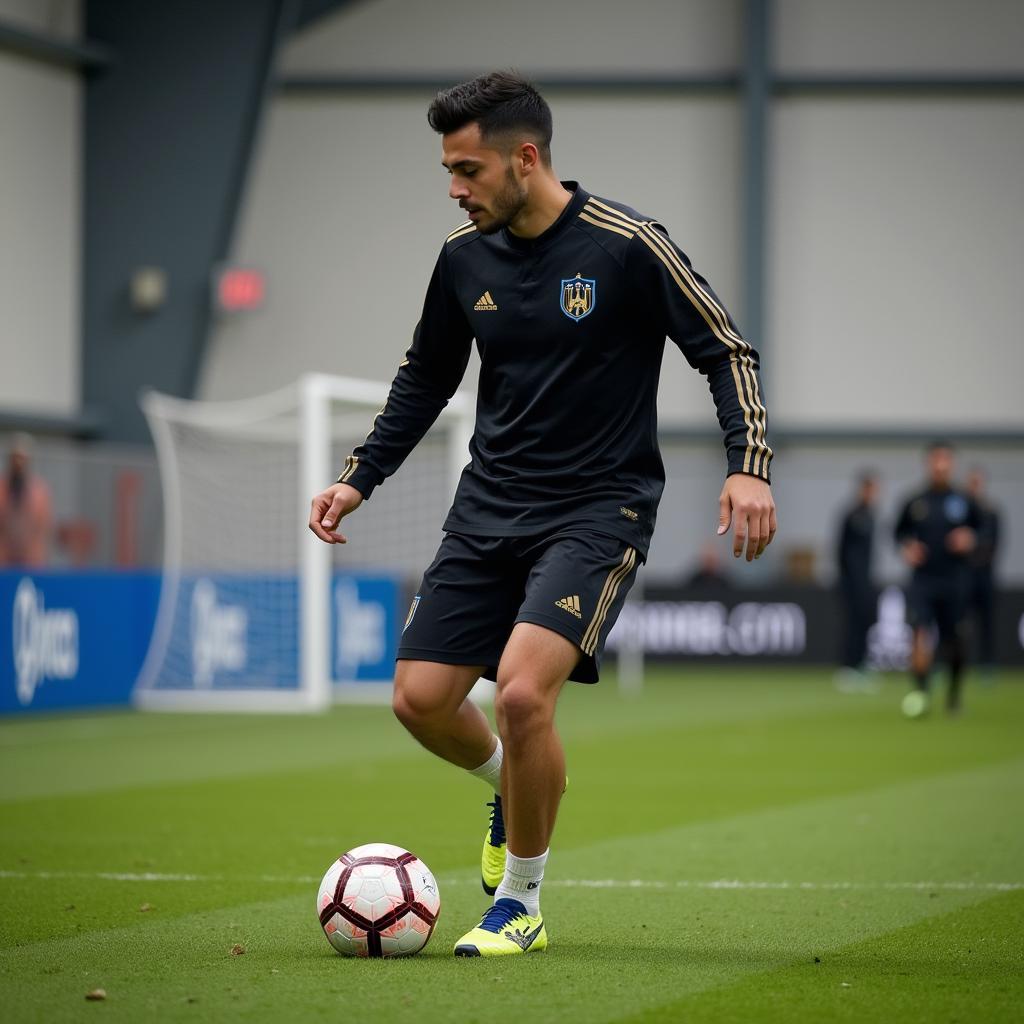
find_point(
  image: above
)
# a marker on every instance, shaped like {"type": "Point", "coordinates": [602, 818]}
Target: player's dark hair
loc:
{"type": "Point", "coordinates": [503, 103]}
{"type": "Point", "coordinates": [940, 444]}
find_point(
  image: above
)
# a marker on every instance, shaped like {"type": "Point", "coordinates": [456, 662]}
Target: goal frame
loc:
{"type": "Point", "coordinates": [312, 396]}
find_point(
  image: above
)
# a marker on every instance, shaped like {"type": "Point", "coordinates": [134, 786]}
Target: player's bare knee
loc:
{"type": "Point", "coordinates": [415, 707]}
{"type": "Point", "coordinates": [402, 708]}
{"type": "Point", "coordinates": [520, 705]}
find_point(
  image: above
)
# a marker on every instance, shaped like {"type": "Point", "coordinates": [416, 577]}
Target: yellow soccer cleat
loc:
{"type": "Point", "coordinates": [505, 930]}
{"type": "Point", "coordinates": [492, 861]}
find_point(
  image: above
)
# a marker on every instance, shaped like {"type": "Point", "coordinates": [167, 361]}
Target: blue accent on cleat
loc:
{"type": "Point", "coordinates": [506, 929]}
{"type": "Point", "coordinates": [501, 914]}
{"type": "Point", "coordinates": [492, 860]}
{"type": "Point", "coordinates": [496, 836]}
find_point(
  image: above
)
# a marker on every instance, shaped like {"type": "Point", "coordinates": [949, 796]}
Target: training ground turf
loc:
{"type": "Point", "coordinates": [732, 847]}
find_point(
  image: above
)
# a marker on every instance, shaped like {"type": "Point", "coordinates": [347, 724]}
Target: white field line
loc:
{"type": "Point", "coordinates": [562, 883]}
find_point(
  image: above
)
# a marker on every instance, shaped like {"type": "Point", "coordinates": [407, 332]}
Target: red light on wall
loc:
{"type": "Point", "coordinates": [239, 289]}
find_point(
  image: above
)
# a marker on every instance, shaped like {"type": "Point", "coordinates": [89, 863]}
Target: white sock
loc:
{"type": "Point", "coordinates": [490, 770]}
{"type": "Point", "coordinates": [523, 876]}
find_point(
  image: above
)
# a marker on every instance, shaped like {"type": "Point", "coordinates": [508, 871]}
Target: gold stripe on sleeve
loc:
{"type": "Point", "coordinates": [758, 454]}
{"type": "Point", "coordinates": [743, 364]}
{"type": "Point", "coordinates": [618, 219]}
{"type": "Point", "coordinates": [607, 227]}
{"type": "Point", "coordinates": [743, 347]}
{"type": "Point", "coordinates": [462, 229]}
{"type": "Point", "coordinates": [617, 213]}
{"type": "Point", "coordinates": [731, 345]}
{"type": "Point", "coordinates": [351, 465]}
{"type": "Point", "coordinates": [611, 587]}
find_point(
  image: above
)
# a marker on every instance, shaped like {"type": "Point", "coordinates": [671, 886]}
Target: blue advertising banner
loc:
{"type": "Point", "coordinates": [79, 639]}
{"type": "Point", "coordinates": [232, 631]}
{"type": "Point", "coordinates": [366, 627]}
{"type": "Point", "coordinates": [72, 640]}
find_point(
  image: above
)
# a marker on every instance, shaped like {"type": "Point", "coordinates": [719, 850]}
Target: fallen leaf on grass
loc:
{"type": "Point", "coordinates": [237, 949]}
{"type": "Point", "coordinates": [146, 907]}
{"type": "Point", "coordinates": [96, 995]}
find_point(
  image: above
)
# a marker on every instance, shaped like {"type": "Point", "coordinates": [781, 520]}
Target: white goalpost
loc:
{"type": "Point", "coordinates": [255, 613]}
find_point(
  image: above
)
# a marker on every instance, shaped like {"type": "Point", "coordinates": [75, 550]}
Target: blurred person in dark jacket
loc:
{"type": "Point", "coordinates": [981, 598]}
{"type": "Point", "coordinates": [709, 576]}
{"type": "Point", "coordinates": [26, 510]}
{"type": "Point", "coordinates": [937, 534]}
{"type": "Point", "coordinates": [856, 590]}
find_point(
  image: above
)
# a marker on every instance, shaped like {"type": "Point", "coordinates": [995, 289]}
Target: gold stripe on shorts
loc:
{"type": "Point", "coordinates": [611, 587]}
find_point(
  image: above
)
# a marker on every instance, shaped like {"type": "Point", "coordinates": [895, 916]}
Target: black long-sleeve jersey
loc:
{"type": "Point", "coordinates": [570, 327]}
{"type": "Point", "coordinates": [929, 517]}
{"type": "Point", "coordinates": [984, 554]}
{"type": "Point", "coordinates": [856, 541]}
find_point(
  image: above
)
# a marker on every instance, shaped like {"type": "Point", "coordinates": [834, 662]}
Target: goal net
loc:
{"type": "Point", "coordinates": [255, 613]}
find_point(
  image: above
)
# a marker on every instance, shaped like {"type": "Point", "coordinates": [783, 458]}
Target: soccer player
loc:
{"type": "Point", "coordinates": [569, 298]}
{"type": "Point", "coordinates": [982, 561]}
{"type": "Point", "coordinates": [856, 543]}
{"type": "Point", "coordinates": [936, 532]}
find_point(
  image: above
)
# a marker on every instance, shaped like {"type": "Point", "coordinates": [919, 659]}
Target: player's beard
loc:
{"type": "Point", "coordinates": [507, 205]}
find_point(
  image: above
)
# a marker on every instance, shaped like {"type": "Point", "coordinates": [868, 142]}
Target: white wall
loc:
{"type": "Point", "coordinates": [39, 220]}
{"type": "Point", "coordinates": [895, 270]}
{"type": "Point", "coordinates": [54, 17]}
{"type": "Point", "coordinates": [560, 36]}
{"type": "Point", "coordinates": [894, 223]}
{"type": "Point", "coordinates": [899, 36]}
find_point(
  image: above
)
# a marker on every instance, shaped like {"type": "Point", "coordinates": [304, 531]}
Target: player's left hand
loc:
{"type": "Point", "coordinates": [746, 501]}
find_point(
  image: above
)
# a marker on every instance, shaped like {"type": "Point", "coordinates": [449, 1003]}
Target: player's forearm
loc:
{"type": "Point", "coordinates": [410, 411]}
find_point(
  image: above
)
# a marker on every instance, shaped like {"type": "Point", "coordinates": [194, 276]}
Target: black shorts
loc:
{"type": "Point", "coordinates": [938, 602]}
{"type": "Point", "coordinates": [477, 588]}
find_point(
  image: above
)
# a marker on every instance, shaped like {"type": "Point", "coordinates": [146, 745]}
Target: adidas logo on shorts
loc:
{"type": "Point", "coordinates": [570, 605]}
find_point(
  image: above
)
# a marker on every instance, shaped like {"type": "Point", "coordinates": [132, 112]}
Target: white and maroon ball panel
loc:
{"type": "Point", "coordinates": [424, 885]}
{"type": "Point", "coordinates": [378, 900]}
{"type": "Point", "coordinates": [376, 850]}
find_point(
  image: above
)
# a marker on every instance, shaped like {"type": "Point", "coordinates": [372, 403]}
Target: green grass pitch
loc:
{"type": "Point", "coordinates": [733, 846]}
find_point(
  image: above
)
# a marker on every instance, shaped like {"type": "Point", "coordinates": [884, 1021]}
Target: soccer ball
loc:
{"type": "Point", "coordinates": [378, 900]}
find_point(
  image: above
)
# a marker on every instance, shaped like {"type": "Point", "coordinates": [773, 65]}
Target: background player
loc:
{"type": "Point", "coordinates": [981, 600]}
{"type": "Point", "coordinates": [936, 531]}
{"type": "Point", "coordinates": [569, 299]}
{"type": "Point", "coordinates": [856, 544]}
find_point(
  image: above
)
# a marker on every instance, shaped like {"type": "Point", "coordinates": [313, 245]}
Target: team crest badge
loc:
{"type": "Point", "coordinates": [579, 294]}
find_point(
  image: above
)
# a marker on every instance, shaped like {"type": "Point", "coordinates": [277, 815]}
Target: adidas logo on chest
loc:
{"type": "Point", "coordinates": [485, 304]}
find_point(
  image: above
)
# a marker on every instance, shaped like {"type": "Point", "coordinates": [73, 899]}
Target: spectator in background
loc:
{"type": "Point", "coordinates": [982, 585]}
{"type": "Point", "coordinates": [856, 542]}
{"type": "Point", "coordinates": [937, 533]}
{"type": "Point", "coordinates": [26, 510]}
{"type": "Point", "coordinates": [709, 574]}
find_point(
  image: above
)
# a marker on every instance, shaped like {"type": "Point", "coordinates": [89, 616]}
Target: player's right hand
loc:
{"type": "Point", "coordinates": [915, 554]}
{"type": "Point", "coordinates": [329, 508]}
